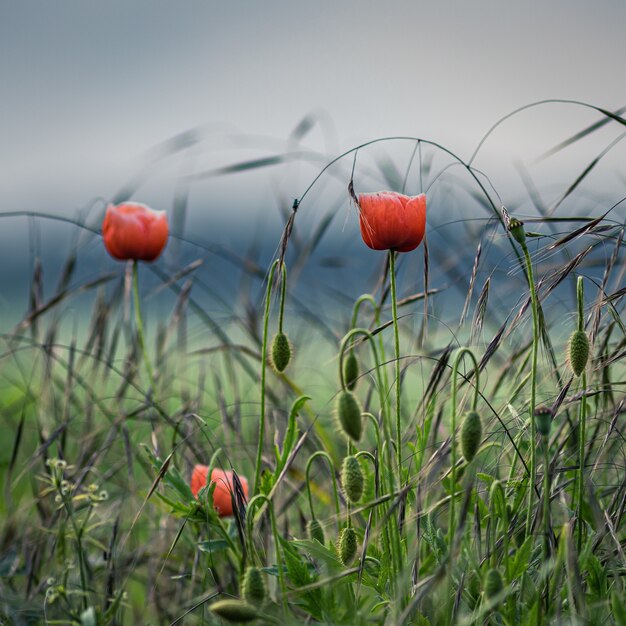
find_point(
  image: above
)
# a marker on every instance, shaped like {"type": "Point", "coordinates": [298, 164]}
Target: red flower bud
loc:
{"type": "Point", "coordinates": [134, 231]}
{"type": "Point", "coordinates": [223, 480]}
{"type": "Point", "coordinates": [392, 221]}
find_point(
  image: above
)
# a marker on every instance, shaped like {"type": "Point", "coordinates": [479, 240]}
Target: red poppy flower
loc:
{"type": "Point", "coordinates": [223, 480]}
{"type": "Point", "coordinates": [392, 221]}
{"type": "Point", "coordinates": [134, 231]}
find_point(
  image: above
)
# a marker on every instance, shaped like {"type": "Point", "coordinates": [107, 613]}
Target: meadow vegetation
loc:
{"type": "Point", "coordinates": [370, 464]}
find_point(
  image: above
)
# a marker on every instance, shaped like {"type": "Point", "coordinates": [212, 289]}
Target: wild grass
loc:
{"type": "Point", "coordinates": [431, 520]}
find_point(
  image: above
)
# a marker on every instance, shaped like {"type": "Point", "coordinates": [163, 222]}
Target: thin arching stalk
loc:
{"type": "Point", "coordinates": [266, 319]}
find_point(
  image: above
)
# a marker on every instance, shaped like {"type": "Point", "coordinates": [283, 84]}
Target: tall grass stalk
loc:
{"type": "Point", "coordinates": [582, 424]}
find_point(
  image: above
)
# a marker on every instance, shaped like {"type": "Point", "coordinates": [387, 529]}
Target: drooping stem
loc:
{"type": "Point", "coordinates": [381, 345]}
{"type": "Point", "coordinates": [396, 341]}
{"type": "Point", "coordinates": [533, 387]}
{"type": "Point", "coordinates": [455, 370]}
{"type": "Point", "coordinates": [139, 323]}
{"type": "Point", "coordinates": [331, 467]}
{"type": "Point", "coordinates": [266, 319]}
{"type": "Point", "coordinates": [254, 502]}
{"type": "Point", "coordinates": [582, 424]}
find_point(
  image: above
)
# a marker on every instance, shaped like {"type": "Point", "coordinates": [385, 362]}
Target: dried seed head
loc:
{"type": "Point", "coordinates": [578, 351]}
{"type": "Point", "coordinates": [349, 413]}
{"type": "Point", "coordinates": [281, 352]}
{"type": "Point", "coordinates": [352, 479]}
{"type": "Point", "coordinates": [315, 531]}
{"type": "Point", "coordinates": [471, 435]}
{"type": "Point", "coordinates": [347, 545]}
{"type": "Point", "coordinates": [543, 420]}
{"type": "Point", "coordinates": [253, 587]}
{"type": "Point", "coordinates": [235, 610]}
{"type": "Point", "coordinates": [493, 583]}
{"type": "Point", "coordinates": [351, 370]}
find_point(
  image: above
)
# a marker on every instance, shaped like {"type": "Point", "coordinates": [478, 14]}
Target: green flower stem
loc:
{"type": "Point", "coordinates": [396, 553]}
{"type": "Point", "coordinates": [396, 341]}
{"type": "Point", "coordinates": [266, 318]}
{"type": "Point", "coordinates": [279, 560]}
{"type": "Point", "coordinates": [331, 467]}
{"type": "Point", "coordinates": [582, 425]}
{"type": "Point", "coordinates": [533, 388]}
{"type": "Point", "coordinates": [283, 292]}
{"type": "Point", "coordinates": [381, 344]}
{"type": "Point", "coordinates": [139, 323]}
{"type": "Point", "coordinates": [455, 370]}
{"type": "Point", "coordinates": [546, 515]}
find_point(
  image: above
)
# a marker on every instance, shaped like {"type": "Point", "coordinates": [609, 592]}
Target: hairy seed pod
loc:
{"type": "Point", "coordinates": [352, 479]}
{"type": "Point", "coordinates": [578, 351]}
{"type": "Point", "coordinates": [543, 420]}
{"type": "Point", "coordinates": [349, 413]}
{"type": "Point", "coordinates": [493, 583]}
{"type": "Point", "coordinates": [253, 587]}
{"type": "Point", "coordinates": [347, 545]}
{"type": "Point", "coordinates": [281, 352]}
{"type": "Point", "coordinates": [471, 435]}
{"type": "Point", "coordinates": [234, 610]}
{"type": "Point", "coordinates": [315, 531]}
{"type": "Point", "coordinates": [351, 370]}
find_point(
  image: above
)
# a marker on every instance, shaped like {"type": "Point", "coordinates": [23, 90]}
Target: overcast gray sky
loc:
{"type": "Point", "coordinates": [89, 86]}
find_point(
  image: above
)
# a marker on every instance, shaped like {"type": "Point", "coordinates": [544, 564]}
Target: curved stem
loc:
{"type": "Point", "coordinates": [533, 387]}
{"type": "Point", "coordinates": [139, 323]}
{"type": "Point", "coordinates": [307, 471]}
{"type": "Point", "coordinates": [366, 297]}
{"type": "Point", "coordinates": [455, 370]}
{"type": "Point", "coordinates": [266, 317]}
{"type": "Point", "coordinates": [250, 521]}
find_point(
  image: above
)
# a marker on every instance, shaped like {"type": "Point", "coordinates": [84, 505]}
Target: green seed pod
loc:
{"type": "Point", "coordinates": [543, 420]}
{"type": "Point", "coordinates": [253, 587]}
{"type": "Point", "coordinates": [347, 545]}
{"type": "Point", "coordinates": [516, 228]}
{"type": "Point", "coordinates": [349, 413]}
{"type": "Point", "coordinates": [578, 351]}
{"type": "Point", "coordinates": [471, 435]}
{"type": "Point", "coordinates": [281, 352]}
{"type": "Point", "coordinates": [315, 531]}
{"type": "Point", "coordinates": [234, 610]}
{"type": "Point", "coordinates": [493, 583]}
{"type": "Point", "coordinates": [351, 370]}
{"type": "Point", "coordinates": [352, 479]}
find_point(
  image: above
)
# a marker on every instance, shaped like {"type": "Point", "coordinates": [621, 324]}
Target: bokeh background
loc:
{"type": "Point", "coordinates": [151, 99]}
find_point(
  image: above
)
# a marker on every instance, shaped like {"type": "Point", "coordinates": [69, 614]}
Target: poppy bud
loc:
{"type": "Point", "coordinates": [352, 479]}
{"type": "Point", "coordinates": [315, 531]}
{"type": "Point", "coordinates": [253, 587]}
{"type": "Point", "coordinates": [349, 413]}
{"type": "Point", "coordinates": [543, 420]}
{"type": "Point", "coordinates": [133, 231]}
{"type": "Point", "coordinates": [493, 583]}
{"type": "Point", "coordinates": [347, 545]}
{"type": "Point", "coordinates": [471, 435]}
{"type": "Point", "coordinates": [516, 228]}
{"type": "Point", "coordinates": [578, 351]}
{"type": "Point", "coordinates": [234, 610]}
{"type": "Point", "coordinates": [351, 370]}
{"type": "Point", "coordinates": [281, 352]}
